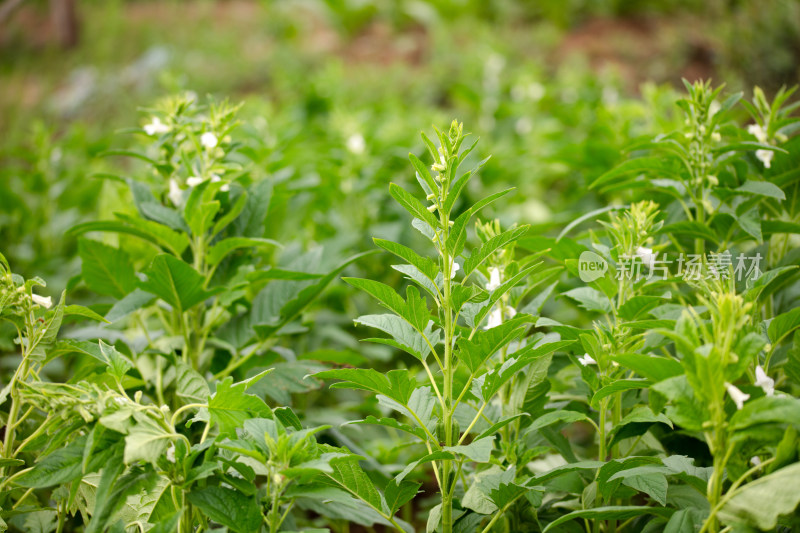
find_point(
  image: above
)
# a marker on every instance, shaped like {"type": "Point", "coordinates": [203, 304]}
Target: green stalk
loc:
{"type": "Point", "coordinates": [447, 396]}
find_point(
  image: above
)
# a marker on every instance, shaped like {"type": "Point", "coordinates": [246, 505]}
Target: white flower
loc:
{"type": "Point", "coordinates": [765, 156]}
{"type": "Point", "coordinates": [175, 193]}
{"type": "Point", "coordinates": [494, 279]}
{"type": "Point", "coordinates": [171, 453]}
{"type": "Point", "coordinates": [647, 256]}
{"type": "Point", "coordinates": [155, 127]}
{"type": "Point", "coordinates": [511, 312]}
{"type": "Point", "coordinates": [587, 360]}
{"type": "Point", "coordinates": [208, 140]}
{"type": "Point", "coordinates": [766, 383]}
{"type": "Point", "coordinates": [454, 267]}
{"type": "Point", "coordinates": [758, 132]}
{"type": "Point", "coordinates": [755, 460]}
{"type": "Point", "coordinates": [194, 181]}
{"type": "Point", "coordinates": [45, 302]}
{"type": "Point", "coordinates": [356, 144]}
{"type": "Point", "coordinates": [495, 319]}
{"type": "Point", "coordinates": [737, 396]}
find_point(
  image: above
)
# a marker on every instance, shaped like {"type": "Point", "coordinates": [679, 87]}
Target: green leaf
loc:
{"type": "Point", "coordinates": [650, 366]}
{"type": "Point", "coordinates": [479, 451]}
{"type": "Point", "coordinates": [762, 188]}
{"type": "Point", "coordinates": [555, 417]}
{"type": "Point", "coordinates": [491, 246]}
{"type": "Point", "coordinates": [79, 310]}
{"type": "Point", "coordinates": [105, 269]}
{"type": "Point", "coordinates": [118, 364]}
{"type": "Point", "coordinates": [232, 214]}
{"type": "Point", "coordinates": [639, 165]}
{"type": "Point", "coordinates": [760, 502]}
{"type": "Point", "coordinates": [767, 410]}
{"type": "Point", "coordinates": [152, 232]}
{"type": "Point", "coordinates": [387, 296]}
{"type": "Point", "coordinates": [783, 324]}
{"type": "Point", "coordinates": [250, 223]}
{"type": "Point", "coordinates": [278, 273]}
{"type": "Point", "coordinates": [230, 405]}
{"type": "Point", "coordinates": [497, 426]}
{"type": "Point", "coordinates": [44, 521]}
{"type": "Point", "coordinates": [175, 282]}
{"type": "Point", "coordinates": [190, 386]}
{"type": "Point", "coordinates": [458, 233]}
{"type": "Point", "coordinates": [636, 423]}
{"type": "Point", "coordinates": [292, 308]}
{"type": "Point", "coordinates": [438, 455]}
{"type": "Point", "coordinates": [475, 351]}
{"type": "Point", "coordinates": [483, 308]}
{"type": "Point", "coordinates": [479, 494]}
{"type": "Point", "coordinates": [681, 522]}
{"type": "Point", "coordinates": [348, 475]}
{"type": "Point", "coordinates": [618, 386]}
{"type": "Point", "coordinates": [412, 205]}
{"type": "Point", "coordinates": [653, 484]}
{"type": "Point", "coordinates": [394, 424]}
{"type": "Point", "coordinates": [146, 441]}
{"type": "Point", "coordinates": [221, 249]}
{"type": "Point", "coordinates": [564, 469]}
{"type": "Point", "coordinates": [60, 466]}
{"type": "Point", "coordinates": [609, 513]}
{"type": "Point", "coordinates": [422, 171]}
{"type": "Point", "coordinates": [425, 265]}
{"type": "Point", "coordinates": [396, 384]}
{"type": "Point", "coordinates": [397, 495]}
{"type": "Point", "coordinates": [113, 490]}
{"type": "Point", "coordinates": [690, 228]}
{"type": "Point", "coordinates": [638, 305]}
{"type": "Point", "coordinates": [536, 355]}
{"type": "Point", "coordinates": [228, 507]}
{"type": "Point", "coordinates": [134, 301]}
{"type": "Point", "coordinates": [406, 338]}
{"type": "Point", "coordinates": [590, 299]}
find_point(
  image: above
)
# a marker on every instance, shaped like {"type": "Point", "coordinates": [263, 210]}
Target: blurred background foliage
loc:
{"type": "Point", "coordinates": [335, 92]}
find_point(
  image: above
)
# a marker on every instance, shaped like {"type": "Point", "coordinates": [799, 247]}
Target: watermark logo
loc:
{"type": "Point", "coordinates": [591, 266]}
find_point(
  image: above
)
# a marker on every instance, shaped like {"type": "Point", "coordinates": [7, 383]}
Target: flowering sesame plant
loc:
{"type": "Point", "coordinates": [640, 375]}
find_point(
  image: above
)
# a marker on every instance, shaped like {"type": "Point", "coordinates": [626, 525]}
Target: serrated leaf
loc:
{"type": "Point", "coordinates": [491, 246]}
{"type": "Point", "coordinates": [424, 264]}
{"type": "Point", "coordinates": [590, 299]}
{"type": "Point", "coordinates": [228, 507]}
{"type": "Point", "coordinates": [146, 440]}
{"type": "Point", "coordinates": [412, 205]}
{"type": "Point", "coordinates": [230, 405]}
{"type": "Point", "coordinates": [190, 386]}
{"type": "Point", "coordinates": [475, 351]}
{"type": "Point", "coordinates": [348, 474]}
{"type": "Point", "coordinates": [396, 384]}
{"type": "Point", "coordinates": [175, 282]}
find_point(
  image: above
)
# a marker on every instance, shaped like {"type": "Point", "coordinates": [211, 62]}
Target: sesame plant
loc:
{"type": "Point", "coordinates": [469, 345]}
{"type": "Point", "coordinates": [634, 370]}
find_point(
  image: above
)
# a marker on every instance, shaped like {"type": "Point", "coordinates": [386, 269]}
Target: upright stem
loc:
{"type": "Point", "coordinates": [447, 492]}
